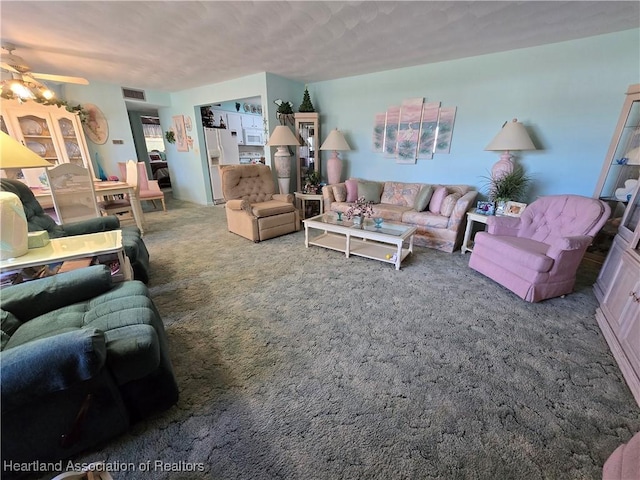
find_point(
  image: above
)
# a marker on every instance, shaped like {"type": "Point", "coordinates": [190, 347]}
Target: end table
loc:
{"type": "Point", "coordinates": [304, 197]}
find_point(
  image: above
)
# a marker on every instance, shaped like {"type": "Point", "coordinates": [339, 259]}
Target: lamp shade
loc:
{"type": "Point", "coordinates": [282, 135]}
{"type": "Point", "coordinates": [15, 155]}
{"type": "Point", "coordinates": [335, 141]}
{"type": "Point", "coordinates": [513, 136]}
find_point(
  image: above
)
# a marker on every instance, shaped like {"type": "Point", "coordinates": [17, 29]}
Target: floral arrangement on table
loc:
{"type": "Point", "coordinates": [361, 208]}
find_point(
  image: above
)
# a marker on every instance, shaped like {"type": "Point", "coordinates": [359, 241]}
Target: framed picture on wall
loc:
{"type": "Point", "coordinates": [182, 144]}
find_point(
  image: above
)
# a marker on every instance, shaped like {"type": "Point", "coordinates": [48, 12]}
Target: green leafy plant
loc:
{"type": "Point", "coordinates": [7, 94]}
{"type": "Point", "coordinates": [512, 186]}
{"type": "Point", "coordinates": [285, 108]}
{"type": "Point", "coordinates": [312, 178]}
{"type": "Point", "coordinates": [170, 136]}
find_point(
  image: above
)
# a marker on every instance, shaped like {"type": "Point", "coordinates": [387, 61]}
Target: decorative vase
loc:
{"type": "Point", "coordinates": [357, 220]}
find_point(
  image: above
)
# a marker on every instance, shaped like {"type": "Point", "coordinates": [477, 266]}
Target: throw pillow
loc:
{"type": "Point", "coordinates": [340, 192]}
{"type": "Point", "coordinates": [352, 189]}
{"type": "Point", "coordinates": [370, 191]}
{"type": "Point", "coordinates": [437, 198]}
{"type": "Point", "coordinates": [448, 204]}
{"type": "Point", "coordinates": [422, 200]}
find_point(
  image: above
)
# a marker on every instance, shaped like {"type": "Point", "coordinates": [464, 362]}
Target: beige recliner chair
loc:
{"type": "Point", "coordinates": [254, 210]}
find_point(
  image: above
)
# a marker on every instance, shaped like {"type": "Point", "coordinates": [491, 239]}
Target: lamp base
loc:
{"type": "Point", "coordinates": [282, 160]}
{"type": "Point", "coordinates": [14, 240]}
{"type": "Point", "coordinates": [502, 167]}
{"type": "Point", "coordinates": [334, 168]}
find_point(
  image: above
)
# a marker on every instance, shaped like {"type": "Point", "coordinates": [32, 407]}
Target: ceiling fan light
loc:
{"type": "Point", "coordinates": [20, 89]}
{"type": "Point", "coordinates": [46, 93]}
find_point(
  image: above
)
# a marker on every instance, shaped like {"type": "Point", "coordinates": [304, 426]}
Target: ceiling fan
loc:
{"type": "Point", "coordinates": [21, 70]}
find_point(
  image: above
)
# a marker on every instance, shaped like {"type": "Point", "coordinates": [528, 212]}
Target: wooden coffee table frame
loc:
{"type": "Point", "coordinates": [344, 237]}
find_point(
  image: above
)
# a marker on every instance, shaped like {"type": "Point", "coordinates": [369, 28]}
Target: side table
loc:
{"type": "Point", "coordinates": [73, 248]}
{"type": "Point", "coordinates": [472, 217]}
{"type": "Point", "coordinates": [304, 197]}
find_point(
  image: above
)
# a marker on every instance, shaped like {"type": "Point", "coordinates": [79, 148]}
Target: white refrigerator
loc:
{"type": "Point", "coordinates": [222, 149]}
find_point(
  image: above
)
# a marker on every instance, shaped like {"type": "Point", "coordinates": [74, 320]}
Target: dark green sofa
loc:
{"type": "Point", "coordinates": [81, 360]}
{"type": "Point", "coordinates": [38, 220]}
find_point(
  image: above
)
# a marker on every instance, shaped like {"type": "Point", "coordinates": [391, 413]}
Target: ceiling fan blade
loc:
{"type": "Point", "coordinates": [6, 66]}
{"type": "Point", "coordinates": [60, 78]}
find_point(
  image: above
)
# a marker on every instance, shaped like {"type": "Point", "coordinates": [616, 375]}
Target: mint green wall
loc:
{"type": "Point", "coordinates": [189, 170]}
{"type": "Point", "coordinates": [568, 94]}
{"type": "Point", "coordinates": [108, 97]}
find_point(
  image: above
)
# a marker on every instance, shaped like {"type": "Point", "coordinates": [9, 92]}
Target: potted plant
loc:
{"type": "Point", "coordinates": [312, 181]}
{"type": "Point", "coordinates": [511, 186]}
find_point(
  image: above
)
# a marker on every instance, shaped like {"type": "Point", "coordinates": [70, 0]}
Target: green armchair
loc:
{"type": "Point", "coordinates": [81, 360]}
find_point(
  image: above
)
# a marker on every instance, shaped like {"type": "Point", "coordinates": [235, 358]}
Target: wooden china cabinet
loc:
{"type": "Point", "coordinates": [617, 287]}
{"type": "Point", "coordinates": [50, 131]}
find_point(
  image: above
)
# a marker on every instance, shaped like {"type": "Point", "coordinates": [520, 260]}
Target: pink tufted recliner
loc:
{"type": "Point", "coordinates": [254, 210]}
{"type": "Point", "coordinates": [536, 256]}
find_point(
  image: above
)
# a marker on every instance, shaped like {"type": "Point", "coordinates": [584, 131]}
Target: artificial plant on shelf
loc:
{"type": "Point", "coordinates": [170, 136]}
{"type": "Point", "coordinates": [284, 112]}
{"type": "Point", "coordinates": [306, 106]}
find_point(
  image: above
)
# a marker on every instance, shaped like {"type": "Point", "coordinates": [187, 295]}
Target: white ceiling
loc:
{"type": "Point", "coordinates": [177, 45]}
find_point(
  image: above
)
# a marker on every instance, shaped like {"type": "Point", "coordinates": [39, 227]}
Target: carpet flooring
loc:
{"type": "Point", "coordinates": [298, 363]}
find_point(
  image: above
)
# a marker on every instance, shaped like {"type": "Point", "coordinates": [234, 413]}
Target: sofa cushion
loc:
{"type": "Point", "coordinates": [352, 189]}
{"type": "Point", "coordinates": [528, 253]}
{"type": "Point", "coordinates": [437, 198]}
{"type": "Point", "coordinates": [425, 219]}
{"type": "Point", "coordinates": [340, 192]}
{"type": "Point", "coordinates": [448, 204]}
{"type": "Point", "coordinates": [400, 193]}
{"type": "Point", "coordinates": [8, 326]}
{"type": "Point", "coordinates": [392, 213]}
{"type": "Point", "coordinates": [369, 190]}
{"type": "Point", "coordinates": [271, 207]}
{"type": "Point", "coordinates": [423, 198]}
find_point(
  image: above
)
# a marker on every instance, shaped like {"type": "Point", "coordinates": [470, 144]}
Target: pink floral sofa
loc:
{"type": "Point", "coordinates": [438, 211]}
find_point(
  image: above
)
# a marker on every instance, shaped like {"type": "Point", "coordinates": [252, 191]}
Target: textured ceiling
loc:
{"type": "Point", "coordinates": [172, 46]}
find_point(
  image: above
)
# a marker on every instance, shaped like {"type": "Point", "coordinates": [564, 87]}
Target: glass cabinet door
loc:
{"type": "Point", "coordinates": [70, 138]}
{"type": "Point", "coordinates": [629, 229]}
{"type": "Point", "coordinates": [307, 157]}
{"type": "Point", "coordinates": [625, 163]}
{"type": "Point", "coordinates": [38, 137]}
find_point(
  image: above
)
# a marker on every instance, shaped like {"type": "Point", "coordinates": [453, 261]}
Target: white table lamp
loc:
{"type": "Point", "coordinates": [335, 142]}
{"type": "Point", "coordinates": [282, 137]}
{"type": "Point", "coordinates": [512, 137]}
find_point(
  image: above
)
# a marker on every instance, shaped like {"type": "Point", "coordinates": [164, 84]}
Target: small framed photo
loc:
{"type": "Point", "coordinates": [485, 208]}
{"type": "Point", "coordinates": [514, 209]}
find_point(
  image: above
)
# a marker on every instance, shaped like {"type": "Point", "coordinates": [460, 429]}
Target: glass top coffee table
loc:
{"type": "Point", "coordinates": [384, 243]}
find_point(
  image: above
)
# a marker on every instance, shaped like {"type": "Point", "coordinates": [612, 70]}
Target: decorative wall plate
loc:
{"type": "Point", "coordinates": [95, 126]}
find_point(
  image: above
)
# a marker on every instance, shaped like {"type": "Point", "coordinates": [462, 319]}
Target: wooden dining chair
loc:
{"type": "Point", "coordinates": [149, 189]}
{"type": "Point", "coordinates": [73, 193]}
{"type": "Point", "coordinates": [122, 206]}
